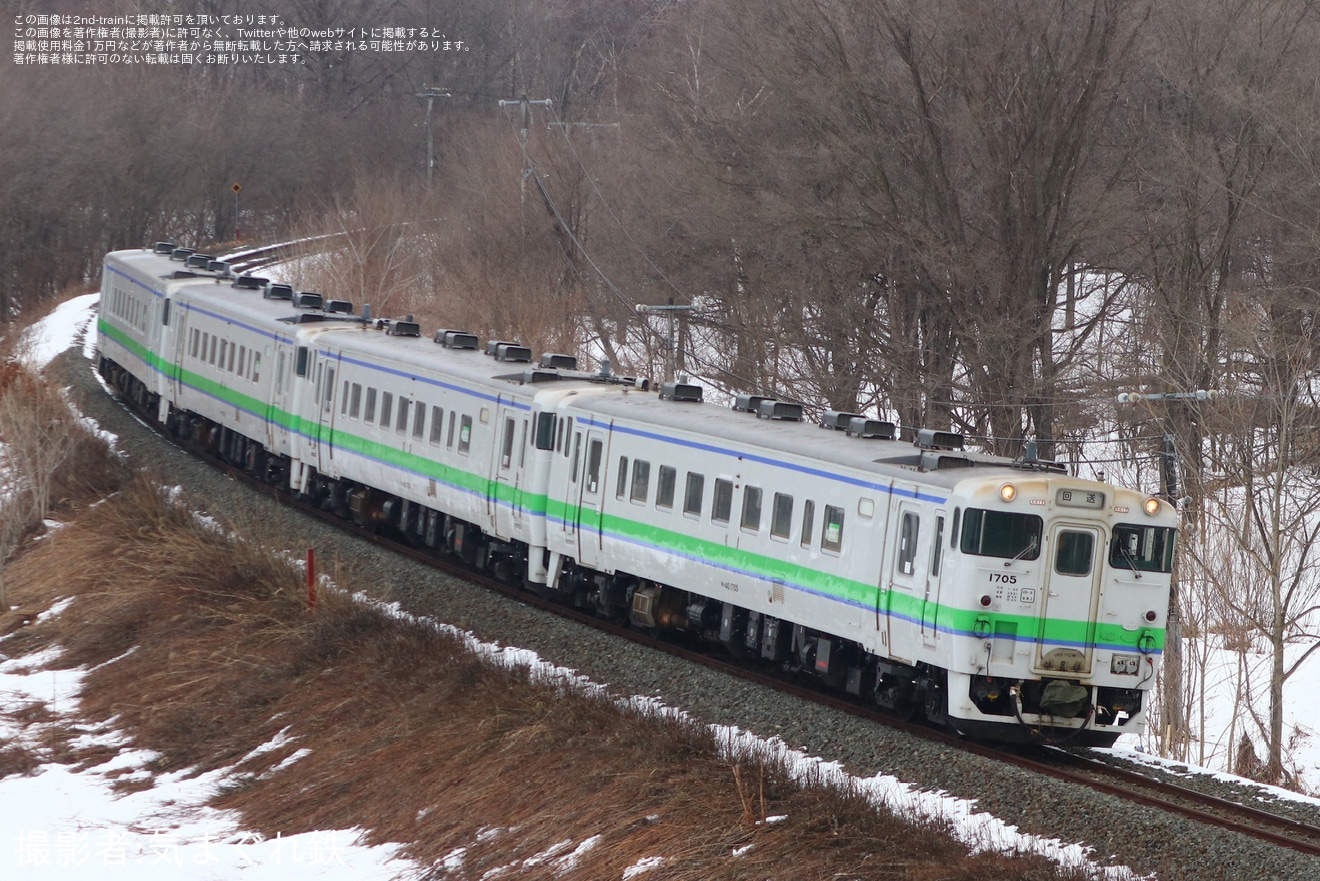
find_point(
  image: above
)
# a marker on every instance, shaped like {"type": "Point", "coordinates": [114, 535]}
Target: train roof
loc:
{"type": "Point", "coordinates": [891, 458]}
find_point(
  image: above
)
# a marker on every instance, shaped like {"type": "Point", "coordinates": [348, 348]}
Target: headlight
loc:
{"type": "Point", "coordinates": [1152, 506]}
{"type": "Point", "coordinates": [1008, 492]}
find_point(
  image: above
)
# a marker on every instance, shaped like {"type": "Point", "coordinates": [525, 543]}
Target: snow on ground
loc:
{"type": "Point", "coordinates": [60, 823]}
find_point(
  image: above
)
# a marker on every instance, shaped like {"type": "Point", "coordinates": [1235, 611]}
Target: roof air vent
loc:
{"type": "Point", "coordinates": [198, 261]}
{"type": "Point", "coordinates": [513, 352]}
{"type": "Point", "coordinates": [784, 410]}
{"type": "Point", "coordinates": [493, 345]}
{"type": "Point", "coordinates": [680, 391]}
{"type": "Point", "coordinates": [341, 307]}
{"type": "Point", "coordinates": [537, 374]}
{"type": "Point", "coordinates": [749, 403]}
{"type": "Point", "coordinates": [559, 362]}
{"type": "Point", "coordinates": [457, 339]}
{"type": "Point", "coordinates": [164, 248]}
{"type": "Point", "coordinates": [278, 292]}
{"type": "Point", "coordinates": [309, 300]}
{"type": "Point", "coordinates": [251, 282]}
{"type": "Point", "coordinates": [219, 266]}
{"type": "Point", "coordinates": [181, 254]}
{"type": "Point", "coordinates": [871, 429]}
{"type": "Point", "coordinates": [402, 328]}
{"type": "Point", "coordinates": [930, 439]}
{"type": "Point", "coordinates": [838, 420]}
{"type": "Point", "coordinates": [183, 273]}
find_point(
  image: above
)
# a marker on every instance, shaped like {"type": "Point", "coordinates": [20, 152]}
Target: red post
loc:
{"type": "Point", "coordinates": [311, 579]}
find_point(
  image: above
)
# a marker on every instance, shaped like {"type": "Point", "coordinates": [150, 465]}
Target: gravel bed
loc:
{"type": "Point", "coordinates": [1146, 840]}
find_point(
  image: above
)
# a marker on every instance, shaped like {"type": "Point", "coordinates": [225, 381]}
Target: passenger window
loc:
{"type": "Point", "coordinates": [386, 408]}
{"type": "Point", "coordinates": [355, 400]}
{"type": "Point", "coordinates": [641, 481]}
{"type": "Point", "coordinates": [302, 356]}
{"type": "Point", "coordinates": [693, 493]}
{"type": "Point", "coordinates": [621, 483]}
{"type": "Point", "coordinates": [506, 454]}
{"type": "Point", "coordinates": [402, 425]}
{"type": "Point", "coordinates": [832, 538]}
{"type": "Point", "coordinates": [419, 420]}
{"type": "Point", "coordinates": [465, 435]}
{"type": "Point", "coordinates": [242, 360]}
{"type": "Point", "coordinates": [781, 516]}
{"type": "Point", "coordinates": [230, 368]}
{"type": "Point", "coordinates": [437, 425]}
{"type": "Point", "coordinates": [751, 512]}
{"type": "Point", "coordinates": [449, 442]}
{"type": "Point", "coordinates": [808, 522]}
{"type": "Point", "coordinates": [723, 505]}
{"type": "Point", "coordinates": [370, 414]}
{"type": "Point", "coordinates": [192, 342]}
{"type": "Point", "coordinates": [568, 432]}
{"type": "Point", "coordinates": [907, 542]}
{"type": "Point", "coordinates": [664, 489]}
{"type": "Point", "coordinates": [1075, 552]}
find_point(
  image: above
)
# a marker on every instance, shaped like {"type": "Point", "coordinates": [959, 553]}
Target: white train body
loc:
{"type": "Point", "coordinates": [1007, 600]}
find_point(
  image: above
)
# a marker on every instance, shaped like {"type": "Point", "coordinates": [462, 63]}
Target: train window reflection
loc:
{"type": "Point", "coordinates": [1074, 554]}
{"type": "Point", "coordinates": [1143, 548]}
{"type": "Point", "coordinates": [1001, 534]}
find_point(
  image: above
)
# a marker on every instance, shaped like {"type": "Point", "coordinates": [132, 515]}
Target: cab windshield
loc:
{"type": "Point", "coordinates": [1142, 548]}
{"type": "Point", "coordinates": [1001, 534]}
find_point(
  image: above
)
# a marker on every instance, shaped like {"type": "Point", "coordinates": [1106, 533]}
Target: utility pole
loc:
{"type": "Point", "coordinates": [525, 104]}
{"type": "Point", "coordinates": [671, 352]}
{"type": "Point", "coordinates": [430, 93]}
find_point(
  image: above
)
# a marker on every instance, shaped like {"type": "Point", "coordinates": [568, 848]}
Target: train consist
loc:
{"type": "Point", "coordinates": [1002, 598]}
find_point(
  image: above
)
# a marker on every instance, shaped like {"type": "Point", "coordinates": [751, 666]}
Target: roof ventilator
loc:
{"type": "Point", "coordinates": [339, 307]}
{"type": "Point", "coordinates": [456, 339]}
{"type": "Point", "coordinates": [513, 352]}
{"type": "Point", "coordinates": [782, 410]}
{"type": "Point", "coordinates": [164, 248]}
{"type": "Point", "coordinates": [251, 282]}
{"type": "Point", "coordinates": [198, 261]}
{"type": "Point", "coordinates": [394, 327]}
{"type": "Point", "coordinates": [930, 439]}
{"type": "Point", "coordinates": [680, 391]}
{"type": "Point", "coordinates": [750, 403]}
{"type": "Point", "coordinates": [219, 266]}
{"type": "Point", "coordinates": [558, 362]}
{"type": "Point", "coordinates": [278, 292]}
{"type": "Point", "coordinates": [181, 254]}
{"type": "Point", "coordinates": [837, 420]}
{"type": "Point", "coordinates": [492, 345]}
{"type": "Point", "coordinates": [308, 300]}
{"type": "Point", "coordinates": [869, 429]}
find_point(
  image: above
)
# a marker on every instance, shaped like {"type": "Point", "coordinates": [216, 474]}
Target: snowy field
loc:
{"type": "Point", "coordinates": [61, 824]}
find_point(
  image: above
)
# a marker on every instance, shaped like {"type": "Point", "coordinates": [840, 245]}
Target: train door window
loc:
{"type": "Point", "coordinates": [355, 400]}
{"type": "Point", "coordinates": [594, 455]}
{"type": "Point", "coordinates": [664, 487]}
{"type": "Point", "coordinates": [329, 389]}
{"type": "Point", "coordinates": [401, 424]}
{"type": "Point", "coordinates": [693, 494]}
{"type": "Point", "coordinates": [621, 485]}
{"type": "Point", "coordinates": [545, 431]}
{"type": "Point", "coordinates": [641, 481]}
{"type": "Point", "coordinates": [559, 438]}
{"type": "Point", "coordinates": [522, 446]}
{"type": "Point", "coordinates": [1075, 552]}
{"type": "Point", "coordinates": [299, 367]}
{"type": "Point", "coordinates": [386, 409]}
{"type": "Point", "coordinates": [832, 538]}
{"type": "Point", "coordinates": [937, 548]}
{"type": "Point", "coordinates": [465, 435]}
{"type": "Point", "coordinates": [723, 505]}
{"type": "Point", "coordinates": [437, 425]}
{"type": "Point", "coordinates": [369, 414]}
{"type": "Point", "coordinates": [279, 371]}
{"type": "Point", "coordinates": [165, 313]}
{"type": "Point", "coordinates": [419, 420]}
{"type": "Point", "coordinates": [781, 516]}
{"type": "Point", "coordinates": [907, 542]}
{"type": "Point", "coordinates": [808, 522]}
{"type": "Point", "coordinates": [953, 533]}
{"type": "Point", "coordinates": [449, 443]}
{"type": "Point", "coordinates": [506, 453]}
{"type": "Point", "coordinates": [751, 511]}
{"type": "Point", "coordinates": [568, 432]}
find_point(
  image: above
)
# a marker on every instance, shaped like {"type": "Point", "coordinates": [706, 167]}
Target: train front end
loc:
{"type": "Point", "coordinates": [1058, 623]}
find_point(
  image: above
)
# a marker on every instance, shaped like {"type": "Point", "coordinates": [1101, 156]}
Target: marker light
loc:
{"type": "Point", "coordinates": [985, 600]}
{"type": "Point", "coordinates": [1151, 616]}
{"type": "Point", "coordinates": [1008, 492]}
{"type": "Point", "coordinates": [1152, 506]}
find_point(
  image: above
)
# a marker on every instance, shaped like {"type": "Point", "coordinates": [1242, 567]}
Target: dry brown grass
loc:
{"type": "Point", "coordinates": [202, 650]}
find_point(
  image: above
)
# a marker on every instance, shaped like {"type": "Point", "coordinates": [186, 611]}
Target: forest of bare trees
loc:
{"type": "Point", "coordinates": [985, 215]}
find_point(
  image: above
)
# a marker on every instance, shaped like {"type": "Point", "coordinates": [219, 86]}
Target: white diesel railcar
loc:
{"type": "Point", "coordinates": [1003, 598]}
